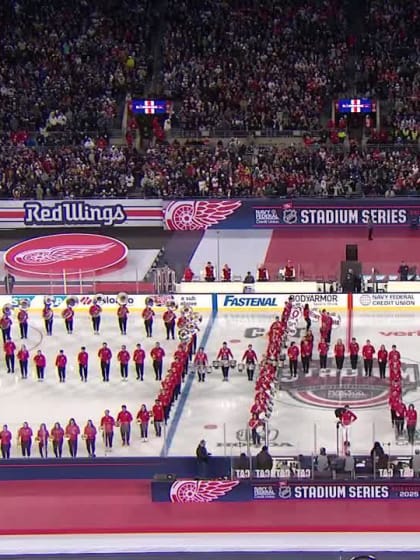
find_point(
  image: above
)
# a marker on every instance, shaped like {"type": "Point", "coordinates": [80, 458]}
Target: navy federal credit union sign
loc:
{"type": "Point", "coordinates": [190, 215]}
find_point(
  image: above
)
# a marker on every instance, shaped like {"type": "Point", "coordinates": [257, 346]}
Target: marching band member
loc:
{"type": "Point", "coordinates": [89, 435]}
{"type": "Point", "coordinates": [95, 311]}
{"type": "Point", "coordinates": [61, 362]}
{"type": "Point", "coordinates": [82, 360]}
{"type": "Point", "coordinates": [40, 363]}
{"type": "Point", "coordinates": [23, 358]}
{"type": "Point", "coordinates": [122, 313]}
{"type": "Point", "coordinates": [182, 321]}
{"type": "Point", "coordinates": [25, 439]}
{"type": "Point", "coordinates": [175, 372]}
{"type": "Point", "coordinates": [105, 355]}
{"type": "Point", "coordinates": [158, 417]}
{"type": "Point", "coordinates": [148, 315]}
{"type": "Point", "coordinates": [68, 316]}
{"type": "Point", "coordinates": [5, 442]}
{"type": "Point", "coordinates": [22, 318]}
{"type": "Point", "coordinates": [157, 354]}
{"type": "Point", "coordinates": [225, 354]}
{"type": "Point", "coordinates": [107, 427]}
{"type": "Point", "coordinates": [143, 419]}
{"type": "Point", "coordinates": [42, 437]}
{"type": "Point", "coordinates": [9, 355]}
{"type": "Point", "coordinates": [5, 325]}
{"type": "Point", "coordinates": [57, 438]}
{"type": "Point", "coordinates": [124, 420]}
{"type": "Point", "coordinates": [48, 316]}
{"type": "Point", "coordinates": [201, 362]}
{"type": "Point", "coordinates": [169, 318]}
{"type": "Point", "coordinates": [250, 358]}
{"type": "Point", "coordinates": [183, 356]}
{"type": "Point", "coordinates": [123, 357]}
{"type": "Point", "coordinates": [72, 434]}
{"type": "Point", "coordinates": [139, 356]}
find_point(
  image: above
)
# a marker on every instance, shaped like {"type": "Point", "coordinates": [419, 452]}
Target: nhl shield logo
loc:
{"type": "Point", "coordinates": [290, 216]}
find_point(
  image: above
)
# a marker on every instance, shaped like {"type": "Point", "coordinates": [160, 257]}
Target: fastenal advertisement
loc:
{"type": "Point", "coordinates": [386, 302]}
{"type": "Point", "coordinates": [274, 302]}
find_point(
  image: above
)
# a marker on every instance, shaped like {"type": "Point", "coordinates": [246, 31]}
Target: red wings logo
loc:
{"type": "Point", "coordinates": [198, 215]}
{"type": "Point", "coordinates": [60, 253]}
{"type": "Point", "coordinates": [200, 491]}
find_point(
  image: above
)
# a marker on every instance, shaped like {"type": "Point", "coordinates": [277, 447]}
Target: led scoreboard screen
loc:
{"type": "Point", "coordinates": [150, 106]}
{"type": "Point", "coordinates": [358, 105]}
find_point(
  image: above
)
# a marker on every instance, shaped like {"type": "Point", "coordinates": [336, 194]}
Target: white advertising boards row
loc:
{"type": "Point", "coordinates": [234, 303]}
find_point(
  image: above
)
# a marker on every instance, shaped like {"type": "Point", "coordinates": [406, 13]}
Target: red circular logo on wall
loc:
{"type": "Point", "coordinates": [72, 253]}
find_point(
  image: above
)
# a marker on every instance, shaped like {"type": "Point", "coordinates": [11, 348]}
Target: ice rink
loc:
{"type": "Point", "coordinates": [303, 416]}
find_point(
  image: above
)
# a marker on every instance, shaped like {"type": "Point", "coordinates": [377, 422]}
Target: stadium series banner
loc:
{"type": "Point", "coordinates": [199, 491]}
{"type": "Point", "coordinates": [189, 215]}
{"type": "Point", "coordinates": [86, 213]}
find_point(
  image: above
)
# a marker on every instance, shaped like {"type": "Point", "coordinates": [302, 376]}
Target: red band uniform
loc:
{"type": "Point", "coordinates": [169, 319]}
{"type": "Point", "coordinates": [147, 315]}
{"type": "Point", "coordinates": [122, 314]}
{"type": "Point", "coordinates": [225, 355]}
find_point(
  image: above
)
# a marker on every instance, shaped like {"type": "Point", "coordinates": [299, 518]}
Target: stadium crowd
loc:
{"type": "Point", "coordinates": [243, 65]}
{"type": "Point", "coordinates": [168, 170]}
{"type": "Point", "coordinates": [64, 65]}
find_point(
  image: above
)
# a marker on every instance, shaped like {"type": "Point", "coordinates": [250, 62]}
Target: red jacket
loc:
{"type": "Point", "coordinates": [200, 359]}
{"type": "Point", "coordinates": [157, 412]}
{"type": "Point", "coordinates": [339, 350]}
{"type": "Point", "coordinates": [323, 348]}
{"type": "Point", "coordinates": [368, 351]}
{"type": "Point", "coordinates": [250, 356]}
{"type": "Point", "coordinates": [224, 354]}
{"type": "Point", "coordinates": [157, 354]}
{"type": "Point", "coordinates": [147, 313]}
{"type": "Point", "coordinates": [138, 356]}
{"type": "Point", "coordinates": [123, 356]}
{"type": "Point", "coordinates": [57, 434]}
{"type": "Point", "coordinates": [293, 352]}
{"type": "Point", "coordinates": [305, 348]}
{"type": "Point", "coordinates": [105, 355]}
{"type": "Point", "coordinates": [143, 416]}
{"type": "Point", "coordinates": [411, 416]}
{"type": "Point", "coordinates": [107, 424]}
{"type": "Point", "coordinates": [354, 348]}
{"type": "Point", "coordinates": [122, 311]}
{"type": "Point", "coordinates": [72, 431]}
{"type": "Point", "coordinates": [124, 417]}
{"type": "Point", "coordinates": [169, 316]}
{"type": "Point", "coordinates": [25, 434]}
{"type": "Point", "coordinates": [382, 356]}
{"type": "Point", "coordinates": [9, 347]}
{"type": "Point", "coordinates": [5, 437]}
{"type": "Point", "coordinates": [89, 432]}
{"type": "Point", "coordinates": [348, 417]}
{"type": "Point", "coordinates": [61, 360]}
{"type": "Point", "coordinates": [82, 358]}
{"type": "Point", "coordinates": [40, 360]}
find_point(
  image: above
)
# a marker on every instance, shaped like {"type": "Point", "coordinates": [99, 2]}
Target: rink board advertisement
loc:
{"type": "Point", "coordinates": [189, 215]}
{"type": "Point", "coordinates": [386, 302]}
{"type": "Point", "coordinates": [275, 302]}
{"type": "Point", "coordinates": [86, 213]}
{"type": "Point", "coordinates": [194, 491]}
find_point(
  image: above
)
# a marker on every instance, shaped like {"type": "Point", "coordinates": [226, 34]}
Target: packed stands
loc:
{"type": "Point", "coordinates": [243, 66]}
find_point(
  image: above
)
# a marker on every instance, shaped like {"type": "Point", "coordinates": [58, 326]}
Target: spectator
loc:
{"type": "Point", "coordinates": [263, 460]}
{"type": "Point", "coordinates": [415, 463]}
{"type": "Point", "coordinates": [202, 459]}
{"type": "Point", "coordinates": [9, 283]}
{"type": "Point", "coordinates": [322, 462]}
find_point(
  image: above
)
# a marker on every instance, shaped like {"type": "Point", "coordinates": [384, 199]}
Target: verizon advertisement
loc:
{"type": "Point", "coordinates": [86, 213]}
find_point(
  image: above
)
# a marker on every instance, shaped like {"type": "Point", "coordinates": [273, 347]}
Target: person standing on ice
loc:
{"type": "Point", "coordinates": [368, 351]}
{"type": "Point", "coordinates": [354, 353]}
{"type": "Point", "coordinates": [225, 355]}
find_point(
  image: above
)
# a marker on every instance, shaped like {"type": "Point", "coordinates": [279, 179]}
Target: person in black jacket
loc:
{"type": "Point", "coordinates": [202, 459]}
{"type": "Point", "coordinates": [264, 460]}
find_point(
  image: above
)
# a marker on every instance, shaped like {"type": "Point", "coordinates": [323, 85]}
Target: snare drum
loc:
{"type": "Point", "coordinates": [225, 363]}
{"type": "Point", "coordinates": [209, 369]}
{"type": "Point", "coordinates": [241, 368]}
{"type": "Point", "coordinates": [216, 364]}
{"type": "Point", "coordinates": [250, 366]}
{"type": "Point", "coordinates": [232, 363]}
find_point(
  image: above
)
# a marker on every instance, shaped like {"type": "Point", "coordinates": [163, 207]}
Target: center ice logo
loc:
{"type": "Point", "coordinates": [332, 389]}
